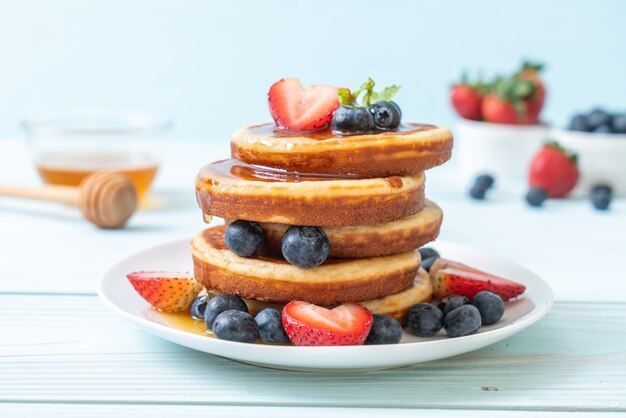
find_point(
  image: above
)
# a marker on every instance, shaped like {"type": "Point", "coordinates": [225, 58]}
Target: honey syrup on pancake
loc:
{"type": "Point", "coordinates": [235, 169]}
{"type": "Point", "coordinates": [273, 131]}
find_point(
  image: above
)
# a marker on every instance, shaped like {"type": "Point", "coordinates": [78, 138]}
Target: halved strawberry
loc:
{"type": "Point", "coordinates": [298, 109]}
{"type": "Point", "coordinates": [443, 263]}
{"type": "Point", "coordinates": [312, 325]}
{"type": "Point", "coordinates": [164, 290]}
{"type": "Point", "coordinates": [452, 278]}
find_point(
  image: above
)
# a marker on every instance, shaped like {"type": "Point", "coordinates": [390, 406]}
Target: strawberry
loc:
{"type": "Point", "coordinates": [554, 169]}
{"type": "Point", "coordinates": [517, 99]}
{"type": "Point", "coordinates": [467, 101]}
{"type": "Point", "coordinates": [457, 280]}
{"type": "Point", "coordinates": [530, 71]}
{"type": "Point", "coordinates": [298, 109]}
{"type": "Point", "coordinates": [442, 263]}
{"type": "Point", "coordinates": [166, 291]}
{"type": "Point", "coordinates": [312, 325]}
{"type": "Point", "coordinates": [497, 109]}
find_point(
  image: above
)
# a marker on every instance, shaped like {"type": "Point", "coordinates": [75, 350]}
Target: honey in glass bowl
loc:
{"type": "Point", "coordinates": [67, 147]}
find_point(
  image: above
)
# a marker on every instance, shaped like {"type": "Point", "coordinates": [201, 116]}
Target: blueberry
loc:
{"type": "Point", "coordinates": [397, 107]}
{"type": "Point", "coordinates": [427, 263]}
{"type": "Point", "coordinates": [477, 193]}
{"type": "Point", "coordinates": [598, 117]}
{"type": "Point", "coordinates": [484, 181]}
{"type": "Point", "coordinates": [605, 128]}
{"type": "Point", "coordinates": [536, 196]}
{"type": "Point", "coordinates": [428, 252]}
{"type": "Point", "coordinates": [271, 329]}
{"type": "Point", "coordinates": [236, 326]}
{"type": "Point", "coordinates": [385, 330]}
{"type": "Point", "coordinates": [619, 124]}
{"type": "Point", "coordinates": [580, 123]}
{"type": "Point", "coordinates": [244, 238]}
{"type": "Point", "coordinates": [490, 306]}
{"type": "Point", "coordinates": [464, 320]}
{"type": "Point", "coordinates": [425, 320]}
{"type": "Point", "coordinates": [601, 195]}
{"type": "Point", "coordinates": [352, 120]}
{"type": "Point", "coordinates": [221, 303]}
{"type": "Point", "coordinates": [198, 306]}
{"type": "Point", "coordinates": [386, 115]}
{"type": "Point", "coordinates": [450, 303]}
{"type": "Point", "coordinates": [305, 246]}
{"type": "Point", "coordinates": [602, 188]}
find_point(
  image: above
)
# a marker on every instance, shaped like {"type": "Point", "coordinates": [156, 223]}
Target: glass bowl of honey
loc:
{"type": "Point", "coordinates": [69, 146]}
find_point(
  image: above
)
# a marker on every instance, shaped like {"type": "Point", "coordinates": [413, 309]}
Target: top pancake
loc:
{"type": "Point", "coordinates": [410, 150]}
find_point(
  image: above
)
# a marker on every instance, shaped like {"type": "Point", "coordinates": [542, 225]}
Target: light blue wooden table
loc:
{"type": "Point", "coordinates": [62, 353]}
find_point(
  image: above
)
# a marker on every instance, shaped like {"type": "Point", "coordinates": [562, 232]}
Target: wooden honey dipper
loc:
{"type": "Point", "coordinates": [105, 198]}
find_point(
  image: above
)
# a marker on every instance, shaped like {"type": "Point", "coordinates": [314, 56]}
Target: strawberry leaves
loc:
{"type": "Point", "coordinates": [369, 96]}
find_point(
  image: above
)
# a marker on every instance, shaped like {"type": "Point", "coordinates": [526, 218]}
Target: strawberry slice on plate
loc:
{"type": "Point", "coordinates": [164, 290]}
{"type": "Point", "coordinates": [452, 278]}
{"type": "Point", "coordinates": [297, 108]}
{"type": "Point", "coordinates": [311, 325]}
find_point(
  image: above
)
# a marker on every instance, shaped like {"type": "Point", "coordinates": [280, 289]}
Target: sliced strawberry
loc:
{"type": "Point", "coordinates": [443, 263]}
{"type": "Point", "coordinates": [298, 109]}
{"type": "Point", "coordinates": [166, 291]}
{"type": "Point", "coordinates": [312, 325]}
{"type": "Point", "coordinates": [456, 281]}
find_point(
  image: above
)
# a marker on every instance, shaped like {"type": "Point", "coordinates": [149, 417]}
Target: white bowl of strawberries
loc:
{"type": "Point", "coordinates": [500, 127]}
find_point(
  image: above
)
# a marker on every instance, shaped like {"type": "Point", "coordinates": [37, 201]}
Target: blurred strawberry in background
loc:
{"type": "Point", "coordinates": [512, 99]}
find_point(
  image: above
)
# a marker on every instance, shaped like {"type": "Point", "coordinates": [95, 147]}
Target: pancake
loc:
{"type": "Point", "coordinates": [234, 190]}
{"type": "Point", "coordinates": [395, 237]}
{"type": "Point", "coordinates": [410, 150]}
{"type": "Point", "coordinates": [272, 279]}
{"type": "Point", "coordinates": [396, 305]}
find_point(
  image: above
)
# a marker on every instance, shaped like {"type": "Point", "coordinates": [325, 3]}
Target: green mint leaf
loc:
{"type": "Point", "coordinates": [345, 97]}
{"type": "Point", "coordinates": [387, 93]}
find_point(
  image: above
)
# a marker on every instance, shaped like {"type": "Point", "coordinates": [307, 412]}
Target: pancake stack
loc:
{"type": "Point", "coordinates": [365, 191]}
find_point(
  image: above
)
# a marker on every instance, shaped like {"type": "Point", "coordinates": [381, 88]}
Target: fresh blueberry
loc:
{"type": "Point", "coordinates": [450, 303]}
{"type": "Point", "coordinates": [464, 320]}
{"type": "Point", "coordinates": [484, 181]}
{"type": "Point", "coordinates": [602, 188]}
{"type": "Point", "coordinates": [244, 238]}
{"type": "Point", "coordinates": [580, 123]}
{"type": "Point", "coordinates": [536, 196]}
{"type": "Point", "coordinates": [271, 329]}
{"type": "Point", "coordinates": [619, 124]}
{"type": "Point", "coordinates": [236, 326]}
{"type": "Point", "coordinates": [386, 115]}
{"type": "Point", "coordinates": [352, 120]}
{"type": "Point", "coordinates": [221, 303]}
{"type": "Point", "coordinates": [428, 252]}
{"type": "Point", "coordinates": [603, 129]}
{"type": "Point", "coordinates": [397, 107]}
{"type": "Point", "coordinates": [427, 263]}
{"type": "Point", "coordinates": [477, 193]}
{"type": "Point", "coordinates": [425, 320]}
{"type": "Point", "coordinates": [490, 306]}
{"type": "Point", "coordinates": [598, 117]}
{"type": "Point", "coordinates": [385, 330]}
{"type": "Point", "coordinates": [305, 246]}
{"type": "Point", "coordinates": [198, 306]}
{"type": "Point", "coordinates": [601, 195]}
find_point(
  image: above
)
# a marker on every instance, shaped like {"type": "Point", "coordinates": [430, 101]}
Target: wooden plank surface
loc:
{"type": "Point", "coordinates": [71, 350]}
{"type": "Point", "coordinates": [213, 411]}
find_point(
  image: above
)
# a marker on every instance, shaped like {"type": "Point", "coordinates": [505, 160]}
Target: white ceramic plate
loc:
{"type": "Point", "coordinates": [118, 294]}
